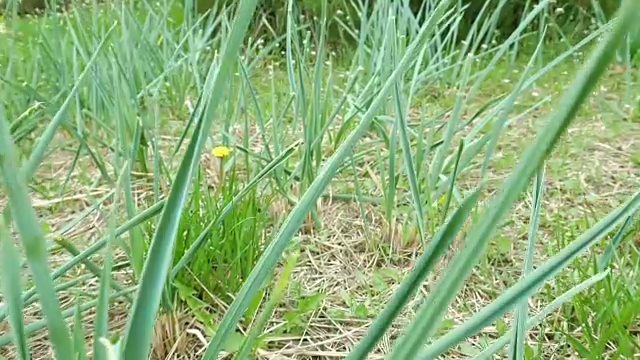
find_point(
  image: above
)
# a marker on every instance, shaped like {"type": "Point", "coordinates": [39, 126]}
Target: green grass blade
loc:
{"type": "Point", "coordinates": [520, 318]}
{"type": "Point", "coordinates": [11, 289]}
{"type": "Point", "coordinates": [102, 311]}
{"type": "Point", "coordinates": [272, 253]}
{"type": "Point", "coordinates": [496, 345]}
{"type": "Point", "coordinates": [33, 241]}
{"type": "Point", "coordinates": [156, 267]}
{"type": "Point", "coordinates": [526, 286]}
{"type": "Point", "coordinates": [452, 125]}
{"type": "Point", "coordinates": [445, 291]}
{"type": "Point", "coordinates": [403, 128]}
{"type": "Point", "coordinates": [606, 256]}
{"type": "Point", "coordinates": [506, 108]}
{"type": "Point", "coordinates": [454, 173]}
{"type": "Point", "coordinates": [79, 348]}
{"type": "Point", "coordinates": [137, 244]}
{"type": "Point", "coordinates": [437, 247]}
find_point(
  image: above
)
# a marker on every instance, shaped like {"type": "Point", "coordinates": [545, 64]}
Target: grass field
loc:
{"type": "Point", "coordinates": [102, 105]}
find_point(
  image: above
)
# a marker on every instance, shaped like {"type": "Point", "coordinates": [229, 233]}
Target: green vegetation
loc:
{"type": "Point", "coordinates": [295, 179]}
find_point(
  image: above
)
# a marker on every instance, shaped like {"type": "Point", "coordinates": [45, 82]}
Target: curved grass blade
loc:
{"type": "Point", "coordinates": [156, 267]}
{"type": "Point", "coordinates": [33, 241]}
{"type": "Point", "coordinates": [102, 310]}
{"type": "Point", "coordinates": [403, 129]}
{"type": "Point", "coordinates": [11, 289]}
{"type": "Point", "coordinates": [438, 246]}
{"type": "Point", "coordinates": [79, 349]}
{"type": "Point", "coordinates": [520, 318]}
{"type": "Point", "coordinates": [431, 313]}
{"type": "Point", "coordinates": [526, 286]}
{"type": "Point", "coordinates": [606, 256]}
{"type": "Point", "coordinates": [454, 174]}
{"type": "Point", "coordinates": [487, 354]}
{"type": "Point", "coordinates": [272, 253]}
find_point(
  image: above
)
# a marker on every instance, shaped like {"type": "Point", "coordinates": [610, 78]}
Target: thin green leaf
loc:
{"type": "Point", "coordinates": [454, 173]}
{"type": "Point", "coordinates": [277, 295]}
{"type": "Point", "coordinates": [90, 265]}
{"type": "Point", "coordinates": [102, 311]}
{"type": "Point", "coordinates": [11, 289]}
{"type": "Point", "coordinates": [33, 241]}
{"type": "Point", "coordinates": [403, 128]}
{"type": "Point", "coordinates": [606, 256]}
{"type": "Point", "coordinates": [520, 318]}
{"type": "Point", "coordinates": [79, 349]}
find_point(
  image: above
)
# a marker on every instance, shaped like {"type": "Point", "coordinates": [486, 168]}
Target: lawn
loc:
{"type": "Point", "coordinates": [103, 103]}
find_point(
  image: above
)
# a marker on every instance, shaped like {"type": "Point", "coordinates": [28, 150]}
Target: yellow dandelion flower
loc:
{"type": "Point", "coordinates": [221, 151]}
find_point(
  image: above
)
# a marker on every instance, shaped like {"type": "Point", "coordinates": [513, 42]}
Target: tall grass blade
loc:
{"type": "Point", "coordinates": [88, 264]}
{"type": "Point", "coordinates": [452, 125]}
{"type": "Point", "coordinates": [79, 348]}
{"type": "Point", "coordinates": [272, 253]}
{"type": "Point", "coordinates": [445, 291]}
{"type": "Point", "coordinates": [505, 109]}
{"type": "Point", "coordinates": [10, 280]}
{"type": "Point", "coordinates": [33, 241]}
{"type": "Point", "coordinates": [403, 129]}
{"type": "Point", "coordinates": [454, 173]}
{"type": "Point", "coordinates": [520, 318]}
{"type": "Point", "coordinates": [605, 258]}
{"type": "Point", "coordinates": [102, 311]}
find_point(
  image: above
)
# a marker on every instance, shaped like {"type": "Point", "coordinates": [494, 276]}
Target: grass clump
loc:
{"type": "Point", "coordinates": [234, 240]}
